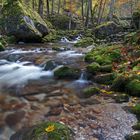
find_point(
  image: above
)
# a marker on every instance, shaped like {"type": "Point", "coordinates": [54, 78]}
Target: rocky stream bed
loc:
{"type": "Point", "coordinates": [30, 94]}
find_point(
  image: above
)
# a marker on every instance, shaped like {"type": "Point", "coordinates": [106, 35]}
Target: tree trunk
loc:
{"type": "Point", "coordinates": [48, 7]}
{"type": "Point", "coordinates": [52, 7]}
{"type": "Point", "coordinates": [33, 4]}
{"type": "Point", "coordinates": [99, 13]}
{"type": "Point", "coordinates": [87, 14]}
{"type": "Point", "coordinates": [59, 5]}
{"type": "Point", "coordinates": [111, 10]}
{"type": "Point", "coordinates": [82, 10]}
{"type": "Point", "coordinates": [40, 8]}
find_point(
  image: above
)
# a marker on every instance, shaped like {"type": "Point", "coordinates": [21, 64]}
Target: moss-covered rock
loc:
{"type": "Point", "coordinates": [88, 92]}
{"type": "Point", "coordinates": [104, 78]}
{"type": "Point", "coordinates": [133, 87]}
{"type": "Point", "coordinates": [106, 29]}
{"type": "Point", "coordinates": [45, 131]}
{"type": "Point", "coordinates": [67, 73]}
{"type": "Point", "coordinates": [104, 55]}
{"type": "Point", "coordinates": [136, 110]}
{"type": "Point", "coordinates": [22, 22]}
{"type": "Point", "coordinates": [137, 126]}
{"type": "Point", "coordinates": [120, 98]}
{"type": "Point", "coordinates": [62, 21]}
{"type": "Point", "coordinates": [84, 42]}
{"type": "Point", "coordinates": [52, 37]}
{"type": "Point", "coordinates": [133, 137]}
{"type": "Point", "coordinates": [106, 68]}
{"type": "Point", "coordinates": [93, 68]}
{"type": "Point", "coordinates": [119, 84]}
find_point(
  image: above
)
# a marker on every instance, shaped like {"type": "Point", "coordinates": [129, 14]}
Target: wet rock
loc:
{"type": "Point", "coordinates": [14, 118]}
{"type": "Point", "coordinates": [107, 29]}
{"type": "Point", "coordinates": [88, 92]}
{"type": "Point", "coordinates": [50, 65]}
{"type": "Point", "coordinates": [67, 73]}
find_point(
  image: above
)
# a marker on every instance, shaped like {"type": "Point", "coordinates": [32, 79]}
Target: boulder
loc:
{"type": "Point", "coordinates": [22, 22]}
{"type": "Point", "coordinates": [104, 78]}
{"type": "Point", "coordinates": [67, 73]}
{"type": "Point", "coordinates": [133, 87]}
{"type": "Point", "coordinates": [44, 131]}
{"type": "Point", "coordinates": [106, 29]}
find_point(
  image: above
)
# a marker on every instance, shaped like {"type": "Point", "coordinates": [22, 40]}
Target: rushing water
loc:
{"type": "Point", "coordinates": [42, 97]}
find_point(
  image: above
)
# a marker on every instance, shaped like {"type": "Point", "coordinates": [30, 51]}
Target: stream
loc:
{"type": "Point", "coordinates": [29, 94]}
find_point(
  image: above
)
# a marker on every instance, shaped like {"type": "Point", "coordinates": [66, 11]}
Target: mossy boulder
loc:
{"type": "Point", "coordinates": [88, 92]}
{"type": "Point", "coordinates": [137, 126]}
{"type": "Point", "coordinates": [119, 84]}
{"type": "Point", "coordinates": [136, 110]}
{"type": "Point", "coordinates": [104, 78]}
{"type": "Point", "coordinates": [66, 72]}
{"type": "Point", "coordinates": [62, 21]}
{"type": "Point", "coordinates": [22, 22]}
{"type": "Point", "coordinates": [133, 137]}
{"type": "Point", "coordinates": [44, 131]}
{"type": "Point", "coordinates": [104, 55]}
{"type": "Point", "coordinates": [133, 87]}
{"type": "Point", "coordinates": [120, 98]}
{"type": "Point", "coordinates": [106, 29]}
{"type": "Point", "coordinates": [106, 68]}
{"type": "Point", "coordinates": [93, 68]}
{"type": "Point", "coordinates": [84, 42]}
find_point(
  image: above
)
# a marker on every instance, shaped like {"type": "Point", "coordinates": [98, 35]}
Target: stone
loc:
{"type": "Point", "coordinates": [67, 73]}
{"type": "Point", "coordinates": [22, 22]}
{"type": "Point", "coordinates": [106, 29]}
{"type": "Point", "coordinates": [13, 118]}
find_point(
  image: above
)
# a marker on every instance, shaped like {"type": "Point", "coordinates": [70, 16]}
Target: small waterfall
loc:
{"type": "Point", "coordinates": [83, 77]}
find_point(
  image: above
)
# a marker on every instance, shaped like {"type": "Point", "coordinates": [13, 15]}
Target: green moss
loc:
{"type": "Point", "coordinates": [61, 21]}
{"type": "Point", "coordinates": [1, 47]}
{"type": "Point", "coordinates": [136, 68]}
{"type": "Point", "coordinates": [133, 38]}
{"type": "Point", "coordinates": [106, 78]}
{"type": "Point", "coordinates": [119, 84]}
{"type": "Point", "coordinates": [93, 68]}
{"type": "Point", "coordinates": [60, 132]}
{"type": "Point", "coordinates": [52, 37]}
{"type": "Point", "coordinates": [88, 92]}
{"type": "Point", "coordinates": [137, 126]}
{"type": "Point", "coordinates": [120, 98]}
{"type": "Point", "coordinates": [104, 55]}
{"type": "Point", "coordinates": [106, 68]}
{"type": "Point", "coordinates": [133, 87]}
{"type": "Point", "coordinates": [136, 110]}
{"type": "Point", "coordinates": [38, 132]}
{"type": "Point", "coordinates": [67, 73]}
{"type": "Point", "coordinates": [84, 42]}
{"type": "Point", "coordinates": [134, 137]}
